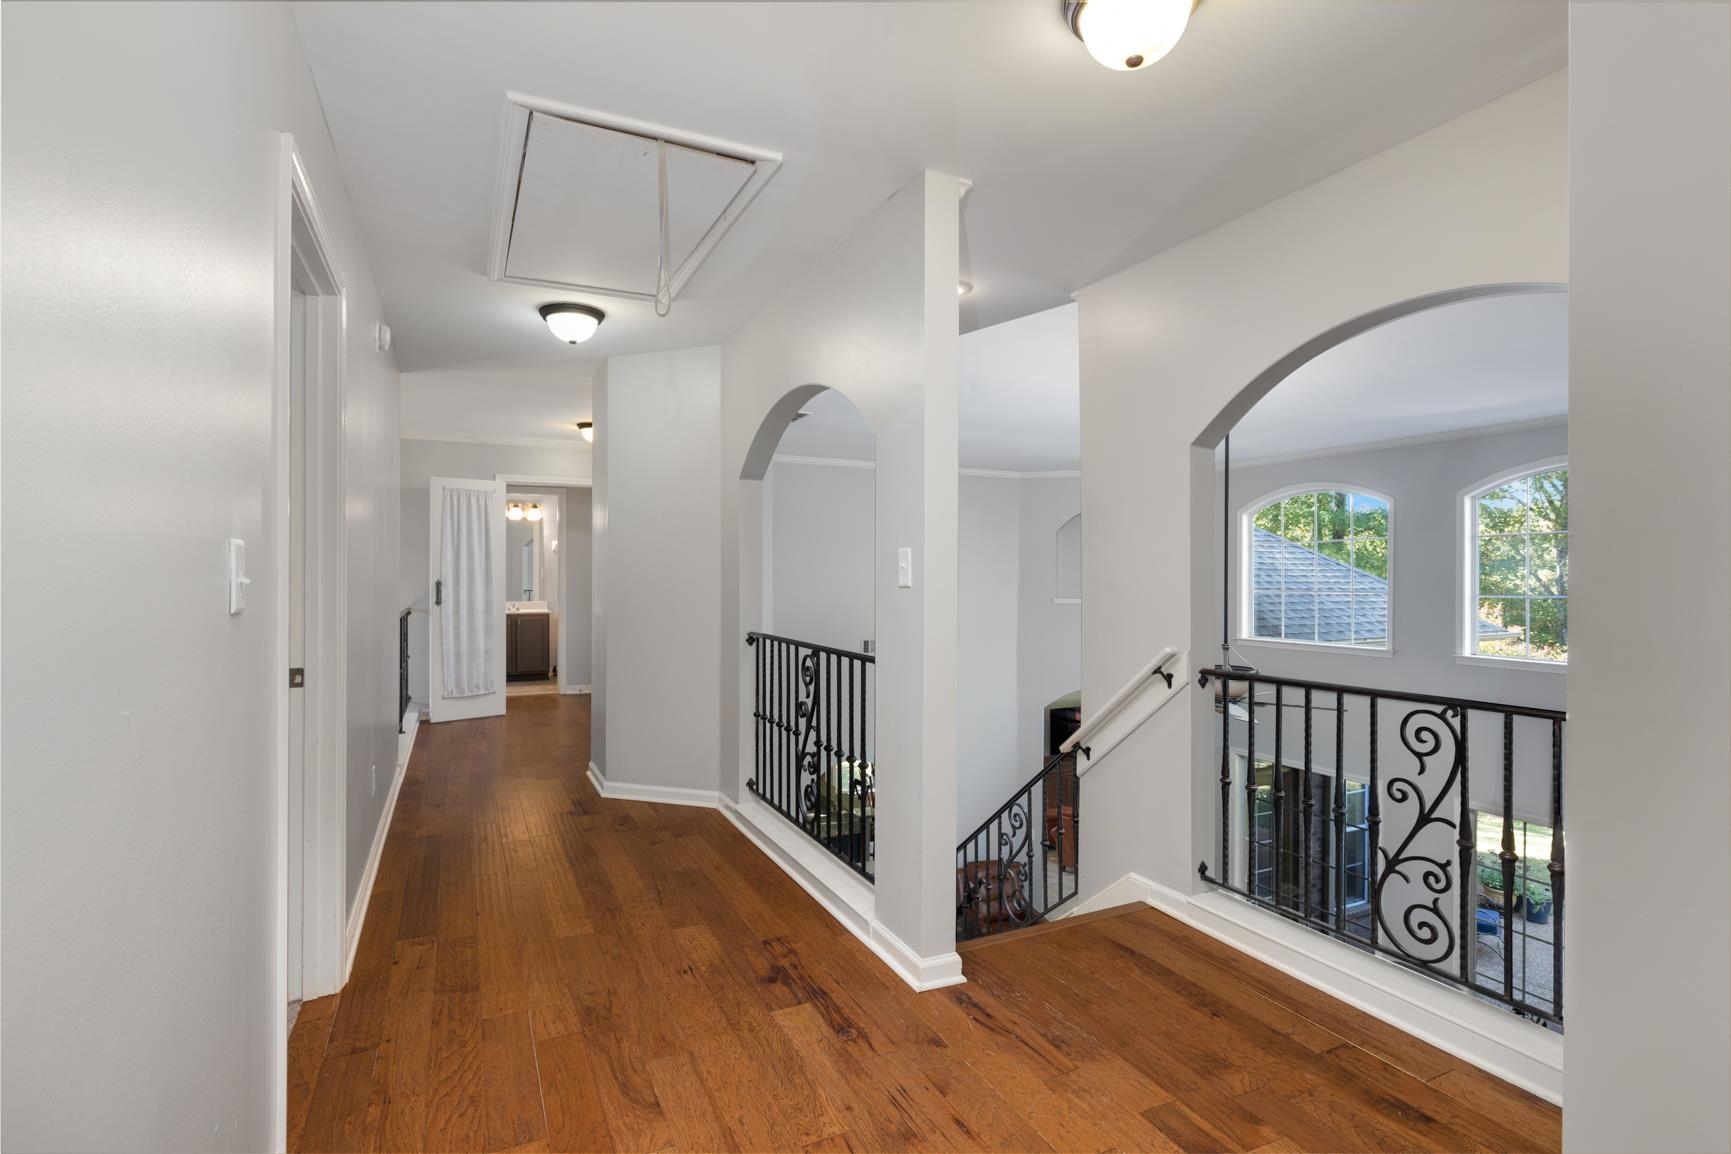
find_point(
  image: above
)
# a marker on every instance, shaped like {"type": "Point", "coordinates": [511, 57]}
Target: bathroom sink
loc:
{"type": "Point", "coordinates": [525, 607]}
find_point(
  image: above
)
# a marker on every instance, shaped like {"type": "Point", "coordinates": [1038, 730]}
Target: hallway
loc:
{"type": "Point", "coordinates": [542, 969]}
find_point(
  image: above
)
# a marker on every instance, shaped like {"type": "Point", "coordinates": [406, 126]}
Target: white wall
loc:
{"type": "Point", "coordinates": [576, 535]}
{"type": "Point", "coordinates": [141, 945]}
{"type": "Point", "coordinates": [1049, 634]}
{"type": "Point", "coordinates": [657, 587]}
{"type": "Point", "coordinates": [876, 319]}
{"type": "Point", "coordinates": [987, 704]}
{"type": "Point", "coordinates": [1170, 350]}
{"type": "Point", "coordinates": [425, 459]}
{"type": "Point", "coordinates": [1170, 343]}
{"type": "Point", "coordinates": [821, 559]}
{"type": "Point", "coordinates": [1650, 427]}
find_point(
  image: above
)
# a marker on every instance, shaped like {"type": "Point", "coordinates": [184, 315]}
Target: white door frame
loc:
{"type": "Point", "coordinates": [564, 658]}
{"type": "Point", "coordinates": [439, 707]}
{"type": "Point", "coordinates": [305, 261]}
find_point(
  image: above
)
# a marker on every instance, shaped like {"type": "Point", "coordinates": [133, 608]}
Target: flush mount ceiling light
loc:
{"type": "Point", "coordinates": [1126, 35]}
{"type": "Point", "coordinates": [572, 323]}
{"type": "Point", "coordinates": [586, 430]}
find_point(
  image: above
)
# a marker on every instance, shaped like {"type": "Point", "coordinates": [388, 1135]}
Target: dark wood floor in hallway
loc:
{"type": "Point", "coordinates": [543, 969]}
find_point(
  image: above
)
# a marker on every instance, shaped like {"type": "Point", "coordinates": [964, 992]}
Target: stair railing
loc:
{"type": "Point", "coordinates": [1020, 864]}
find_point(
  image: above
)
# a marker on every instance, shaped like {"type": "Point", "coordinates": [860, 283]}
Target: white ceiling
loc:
{"type": "Point", "coordinates": [1077, 170]}
{"type": "Point", "coordinates": [1018, 402]}
{"type": "Point", "coordinates": [501, 404]}
{"type": "Point", "coordinates": [1474, 365]}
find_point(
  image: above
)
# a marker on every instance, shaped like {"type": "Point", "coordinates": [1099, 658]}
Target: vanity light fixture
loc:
{"type": "Point", "coordinates": [586, 430]}
{"type": "Point", "coordinates": [513, 512]}
{"type": "Point", "coordinates": [572, 323]}
{"type": "Point", "coordinates": [1127, 35]}
{"type": "Point", "coordinates": [533, 513]}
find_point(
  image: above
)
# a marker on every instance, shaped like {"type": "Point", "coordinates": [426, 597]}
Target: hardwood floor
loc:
{"type": "Point", "coordinates": [542, 969]}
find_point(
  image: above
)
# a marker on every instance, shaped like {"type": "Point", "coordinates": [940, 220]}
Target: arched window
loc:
{"type": "Point", "coordinates": [1318, 565]}
{"type": "Point", "coordinates": [1517, 566]}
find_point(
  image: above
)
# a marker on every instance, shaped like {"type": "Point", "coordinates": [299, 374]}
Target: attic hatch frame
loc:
{"type": "Point", "coordinates": [513, 151]}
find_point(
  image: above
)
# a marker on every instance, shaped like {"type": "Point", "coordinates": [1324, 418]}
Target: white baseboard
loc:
{"type": "Point", "coordinates": [665, 794]}
{"type": "Point", "coordinates": [358, 915]}
{"type": "Point", "coordinates": [847, 897]}
{"type": "Point", "coordinates": [570, 689]}
{"type": "Point", "coordinates": [1492, 1039]}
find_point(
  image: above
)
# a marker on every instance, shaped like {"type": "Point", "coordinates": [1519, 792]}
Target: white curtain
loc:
{"type": "Point", "coordinates": [468, 637]}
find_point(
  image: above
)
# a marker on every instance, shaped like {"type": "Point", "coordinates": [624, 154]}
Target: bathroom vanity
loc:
{"type": "Point", "coordinates": [528, 642]}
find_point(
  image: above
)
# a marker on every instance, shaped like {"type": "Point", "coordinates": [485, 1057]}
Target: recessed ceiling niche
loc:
{"type": "Point", "coordinates": [578, 206]}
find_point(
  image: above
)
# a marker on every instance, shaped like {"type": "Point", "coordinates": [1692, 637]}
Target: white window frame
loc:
{"type": "Point", "coordinates": [1246, 618]}
{"type": "Point", "coordinates": [1467, 574]}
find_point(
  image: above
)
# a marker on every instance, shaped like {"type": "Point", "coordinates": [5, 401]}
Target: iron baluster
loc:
{"type": "Point", "coordinates": [1469, 847]}
{"type": "Point", "coordinates": [1278, 781]}
{"type": "Point", "coordinates": [1308, 803]}
{"type": "Point", "coordinates": [1373, 818]}
{"type": "Point", "coordinates": [1249, 785]}
{"type": "Point", "coordinates": [1225, 780]}
{"type": "Point", "coordinates": [1556, 866]}
{"type": "Point", "coordinates": [1508, 855]}
{"type": "Point", "coordinates": [1339, 812]}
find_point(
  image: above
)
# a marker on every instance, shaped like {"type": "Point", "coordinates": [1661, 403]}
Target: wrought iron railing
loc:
{"type": "Point", "coordinates": [402, 668]}
{"type": "Point", "coordinates": [1427, 829]}
{"type": "Point", "coordinates": [1020, 864]}
{"type": "Point", "coordinates": [812, 710]}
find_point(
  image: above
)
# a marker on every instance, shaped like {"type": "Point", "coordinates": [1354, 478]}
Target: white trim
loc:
{"type": "Point", "coordinates": [1315, 646]}
{"type": "Point", "coordinates": [1451, 1020]}
{"type": "Point", "coordinates": [1525, 664]}
{"type": "Point", "coordinates": [1247, 521]}
{"type": "Point", "coordinates": [1467, 566]}
{"type": "Point", "coordinates": [556, 482]}
{"type": "Point", "coordinates": [829, 462]}
{"type": "Point", "coordinates": [323, 773]}
{"type": "Point", "coordinates": [849, 898]}
{"type": "Point", "coordinates": [664, 794]}
{"type": "Point", "coordinates": [364, 896]}
{"type": "Point", "coordinates": [497, 439]}
{"type": "Point", "coordinates": [513, 142]}
{"type": "Point", "coordinates": [571, 689]}
{"type": "Point", "coordinates": [1398, 442]}
{"type": "Point", "coordinates": [1066, 600]}
{"type": "Point", "coordinates": [850, 463]}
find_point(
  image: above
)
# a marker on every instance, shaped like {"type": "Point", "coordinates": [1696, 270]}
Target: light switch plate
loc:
{"type": "Point", "coordinates": [237, 578]}
{"type": "Point", "coordinates": [904, 568]}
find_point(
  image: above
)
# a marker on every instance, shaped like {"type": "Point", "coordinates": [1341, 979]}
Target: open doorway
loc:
{"type": "Point", "coordinates": [534, 604]}
{"type": "Point", "coordinates": [308, 564]}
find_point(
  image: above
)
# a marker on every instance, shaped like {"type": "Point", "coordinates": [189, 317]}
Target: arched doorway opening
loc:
{"type": "Point", "coordinates": [807, 597]}
{"type": "Point", "coordinates": [1396, 489]}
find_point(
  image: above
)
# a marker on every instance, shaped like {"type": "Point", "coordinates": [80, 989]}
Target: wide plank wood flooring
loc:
{"type": "Point", "coordinates": [541, 969]}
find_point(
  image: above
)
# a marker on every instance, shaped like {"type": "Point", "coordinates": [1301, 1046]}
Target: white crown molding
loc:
{"type": "Point", "coordinates": [498, 439]}
{"type": "Point", "coordinates": [1399, 442]}
{"type": "Point", "coordinates": [847, 463]}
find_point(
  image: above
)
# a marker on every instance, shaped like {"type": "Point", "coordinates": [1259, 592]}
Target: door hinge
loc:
{"type": "Point", "coordinates": [439, 591]}
{"type": "Point", "coordinates": [297, 677]}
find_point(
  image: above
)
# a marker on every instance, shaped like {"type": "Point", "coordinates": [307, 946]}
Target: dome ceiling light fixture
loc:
{"type": "Point", "coordinates": [586, 430]}
{"type": "Point", "coordinates": [572, 323]}
{"type": "Point", "coordinates": [1128, 35]}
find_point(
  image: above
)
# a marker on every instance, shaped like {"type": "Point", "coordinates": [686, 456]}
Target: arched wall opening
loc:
{"type": "Point", "coordinates": [808, 686]}
{"type": "Point", "coordinates": [1343, 551]}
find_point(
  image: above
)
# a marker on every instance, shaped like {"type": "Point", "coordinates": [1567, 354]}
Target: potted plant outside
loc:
{"type": "Point", "coordinates": [1491, 882]}
{"type": "Point", "coordinates": [1538, 900]}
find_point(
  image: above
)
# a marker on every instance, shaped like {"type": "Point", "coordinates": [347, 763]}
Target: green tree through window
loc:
{"type": "Point", "coordinates": [1521, 548]}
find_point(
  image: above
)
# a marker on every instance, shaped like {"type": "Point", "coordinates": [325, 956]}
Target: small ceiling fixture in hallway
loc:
{"type": "Point", "coordinates": [1126, 35]}
{"type": "Point", "coordinates": [572, 323]}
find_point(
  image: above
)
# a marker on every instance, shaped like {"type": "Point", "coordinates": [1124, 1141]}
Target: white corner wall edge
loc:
{"type": "Point", "coordinates": [1493, 1040]}
{"type": "Point", "coordinates": [664, 794]}
{"type": "Point", "coordinates": [364, 896]}
{"type": "Point", "coordinates": [847, 897]}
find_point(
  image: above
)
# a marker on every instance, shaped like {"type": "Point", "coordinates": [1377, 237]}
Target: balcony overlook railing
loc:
{"type": "Point", "coordinates": [1020, 864]}
{"type": "Point", "coordinates": [812, 715]}
{"type": "Point", "coordinates": [1427, 829]}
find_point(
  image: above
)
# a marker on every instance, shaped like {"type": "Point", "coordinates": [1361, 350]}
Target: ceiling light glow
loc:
{"type": "Point", "coordinates": [572, 323]}
{"type": "Point", "coordinates": [586, 430]}
{"type": "Point", "coordinates": [1127, 35]}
